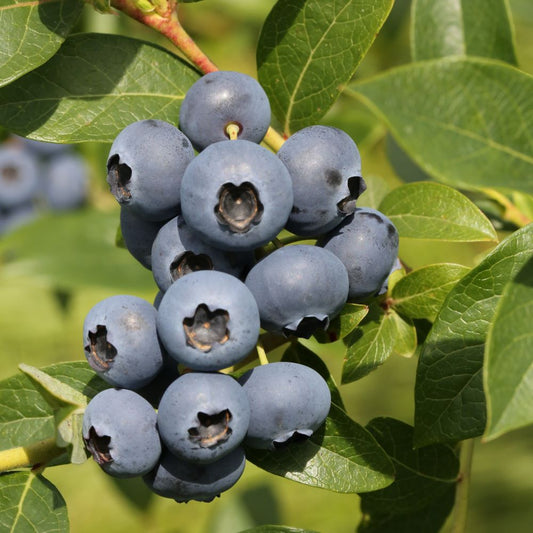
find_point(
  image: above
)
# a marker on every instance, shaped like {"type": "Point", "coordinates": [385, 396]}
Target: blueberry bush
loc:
{"type": "Point", "coordinates": [456, 124]}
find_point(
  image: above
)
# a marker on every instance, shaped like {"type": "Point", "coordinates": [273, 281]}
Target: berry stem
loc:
{"type": "Point", "coordinates": [263, 359]}
{"type": "Point", "coordinates": [35, 455]}
{"type": "Point", "coordinates": [168, 24]}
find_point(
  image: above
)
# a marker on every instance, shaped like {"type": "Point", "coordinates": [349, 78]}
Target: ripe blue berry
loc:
{"type": "Point", "coordinates": [121, 342]}
{"type": "Point", "coordinates": [119, 430]}
{"type": "Point", "coordinates": [177, 250]}
{"type": "Point", "coordinates": [183, 481]}
{"type": "Point", "coordinates": [145, 166]}
{"type": "Point", "coordinates": [367, 244]}
{"type": "Point", "coordinates": [139, 235]}
{"type": "Point", "coordinates": [67, 181]}
{"type": "Point", "coordinates": [298, 289]}
{"type": "Point", "coordinates": [208, 320]}
{"type": "Point", "coordinates": [203, 416]}
{"type": "Point", "coordinates": [288, 403]}
{"type": "Point", "coordinates": [325, 167]}
{"type": "Point", "coordinates": [221, 98]}
{"type": "Point", "coordinates": [19, 174]}
{"type": "Point", "coordinates": [237, 195]}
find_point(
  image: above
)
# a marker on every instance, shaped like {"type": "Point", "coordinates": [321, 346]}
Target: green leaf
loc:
{"type": "Point", "coordinates": [89, 92]}
{"type": "Point", "coordinates": [427, 210]}
{"type": "Point", "coordinates": [309, 48]}
{"type": "Point", "coordinates": [343, 324]}
{"type": "Point", "coordinates": [449, 397]}
{"type": "Point", "coordinates": [26, 416]}
{"type": "Point", "coordinates": [420, 293]}
{"type": "Point", "coordinates": [30, 502]}
{"type": "Point", "coordinates": [342, 457]}
{"type": "Point", "coordinates": [406, 341]}
{"type": "Point", "coordinates": [467, 27]}
{"type": "Point", "coordinates": [377, 189]}
{"type": "Point", "coordinates": [424, 479]}
{"type": "Point", "coordinates": [72, 250]}
{"type": "Point", "coordinates": [31, 32]}
{"type": "Point", "coordinates": [465, 121]}
{"type": "Point", "coordinates": [296, 353]}
{"type": "Point", "coordinates": [508, 371]}
{"type": "Point", "coordinates": [370, 345]}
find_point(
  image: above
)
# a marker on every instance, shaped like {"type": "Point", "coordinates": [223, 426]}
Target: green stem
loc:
{"type": "Point", "coordinates": [34, 455]}
{"type": "Point", "coordinates": [511, 212]}
{"type": "Point", "coordinates": [463, 485]}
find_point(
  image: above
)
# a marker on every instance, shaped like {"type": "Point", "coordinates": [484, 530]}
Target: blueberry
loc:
{"type": "Point", "coordinates": [139, 235]}
{"type": "Point", "coordinates": [183, 481]}
{"type": "Point", "coordinates": [367, 244]}
{"type": "Point", "coordinates": [208, 320]}
{"type": "Point", "coordinates": [298, 289]}
{"type": "Point", "coordinates": [325, 167]}
{"type": "Point", "coordinates": [121, 342]}
{"type": "Point", "coordinates": [119, 430]}
{"type": "Point", "coordinates": [19, 177]}
{"type": "Point", "coordinates": [177, 250]}
{"type": "Point", "coordinates": [221, 98]}
{"type": "Point", "coordinates": [145, 167]}
{"type": "Point", "coordinates": [203, 416]}
{"type": "Point", "coordinates": [43, 149]}
{"type": "Point", "coordinates": [237, 195]}
{"type": "Point", "coordinates": [66, 182]}
{"type": "Point", "coordinates": [288, 403]}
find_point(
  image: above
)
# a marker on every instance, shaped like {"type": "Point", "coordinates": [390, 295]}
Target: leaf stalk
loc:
{"type": "Point", "coordinates": [463, 486]}
{"type": "Point", "coordinates": [32, 456]}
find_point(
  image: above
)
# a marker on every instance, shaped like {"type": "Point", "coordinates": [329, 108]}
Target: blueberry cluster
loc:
{"type": "Point", "coordinates": [36, 175]}
{"type": "Point", "coordinates": [198, 205]}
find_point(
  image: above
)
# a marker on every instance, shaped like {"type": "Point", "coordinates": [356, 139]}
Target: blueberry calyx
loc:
{"type": "Point", "coordinates": [356, 187]}
{"type": "Point", "coordinates": [118, 178]}
{"type": "Point", "coordinates": [101, 353]}
{"type": "Point", "coordinates": [98, 447]}
{"type": "Point", "coordinates": [212, 429]}
{"type": "Point", "coordinates": [189, 262]}
{"type": "Point", "coordinates": [206, 328]}
{"type": "Point", "coordinates": [239, 207]}
{"type": "Point", "coordinates": [306, 326]}
{"type": "Point", "coordinates": [10, 174]}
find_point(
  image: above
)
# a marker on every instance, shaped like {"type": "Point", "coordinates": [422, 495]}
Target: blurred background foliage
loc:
{"type": "Point", "coordinates": [41, 316]}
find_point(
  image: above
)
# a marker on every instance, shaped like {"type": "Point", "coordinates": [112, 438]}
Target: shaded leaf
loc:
{"type": "Point", "coordinates": [449, 397]}
{"type": "Point", "coordinates": [508, 371]}
{"type": "Point", "coordinates": [31, 33]}
{"type": "Point", "coordinates": [277, 529]}
{"type": "Point", "coordinates": [465, 121]}
{"type": "Point", "coordinates": [467, 27]}
{"type": "Point", "coordinates": [72, 250]}
{"type": "Point", "coordinates": [296, 353]}
{"type": "Point", "coordinates": [308, 49]}
{"type": "Point", "coordinates": [370, 345]}
{"type": "Point", "coordinates": [25, 414]}
{"type": "Point", "coordinates": [30, 502]}
{"type": "Point", "coordinates": [406, 342]}
{"type": "Point", "coordinates": [342, 457]}
{"type": "Point", "coordinates": [427, 210]}
{"type": "Point", "coordinates": [343, 324]}
{"type": "Point", "coordinates": [420, 293]}
{"type": "Point", "coordinates": [89, 92]}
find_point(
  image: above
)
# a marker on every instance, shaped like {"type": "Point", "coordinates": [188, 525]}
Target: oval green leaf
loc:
{"type": "Point", "coordinates": [427, 210]}
{"type": "Point", "coordinates": [420, 293]}
{"type": "Point", "coordinates": [370, 345]}
{"type": "Point", "coordinates": [31, 33]}
{"type": "Point", "coordinates": [467, 122]}
{"type": "Point", "coordinates": [449, 398]}
{"type": "Point", "coordinates": [93, 87]}
{"type": "Point", "coordinates": [308, 49]}
{"type": "Point", "coordinates": [481, 28]}
{"type": "Point", "coordinates": [342, 457]}
{"type": "Point", "coordinates": [31, 503]}
{"type": "Point", "coordinates": [508, 372]}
